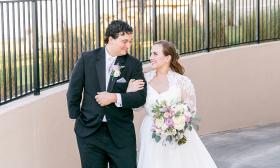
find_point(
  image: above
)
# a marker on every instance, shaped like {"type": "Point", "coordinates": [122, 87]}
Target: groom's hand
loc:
{"type": "Point", "coordinates": [105, 98]}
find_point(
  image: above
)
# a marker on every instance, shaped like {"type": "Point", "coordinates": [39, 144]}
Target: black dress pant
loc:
{"type": "Point", "coordinates": [98, 151]}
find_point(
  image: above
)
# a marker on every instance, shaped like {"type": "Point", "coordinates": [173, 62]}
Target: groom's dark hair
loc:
{"type": "Point", "coordinates": [116, 28]}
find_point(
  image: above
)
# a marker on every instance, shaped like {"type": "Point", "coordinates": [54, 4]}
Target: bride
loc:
{"type": "Point", "coordinates": [166, 82]}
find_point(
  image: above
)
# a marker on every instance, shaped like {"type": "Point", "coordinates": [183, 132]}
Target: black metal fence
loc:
{"type": "Point", "coordinates": [40, 40]}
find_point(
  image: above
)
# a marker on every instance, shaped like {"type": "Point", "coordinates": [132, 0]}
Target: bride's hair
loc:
{"type": "Point", "coordinates": [170, 49]}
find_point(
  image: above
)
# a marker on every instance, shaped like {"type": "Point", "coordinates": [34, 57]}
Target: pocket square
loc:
{"type": "Point", "coordinates": [121, 80]}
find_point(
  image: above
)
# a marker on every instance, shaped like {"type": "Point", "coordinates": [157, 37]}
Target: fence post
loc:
{"type": "Point", "coordinates": [97, 25]}
{"type": "Point", "coordinates": [154, 18]}
{"type": "Point", "coordinates": [35, 48]}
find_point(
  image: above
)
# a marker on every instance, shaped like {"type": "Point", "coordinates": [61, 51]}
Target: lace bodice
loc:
{"type": "Point", "coordinates": [180, 89]}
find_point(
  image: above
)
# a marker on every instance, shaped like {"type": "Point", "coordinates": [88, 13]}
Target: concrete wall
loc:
{"type": "Point", "coordinates": [235, 88]}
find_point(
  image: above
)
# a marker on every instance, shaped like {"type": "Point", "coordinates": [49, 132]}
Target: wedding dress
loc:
{"type": "Point", "coordinates": [193, 153]}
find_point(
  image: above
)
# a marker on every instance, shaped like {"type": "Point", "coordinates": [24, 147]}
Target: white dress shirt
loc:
{"type": "Point", "coordinates": [110, 61]}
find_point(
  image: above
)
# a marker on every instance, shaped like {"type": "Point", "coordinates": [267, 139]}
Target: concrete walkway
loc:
{"type": "Point", "coordinates": [257, 147]}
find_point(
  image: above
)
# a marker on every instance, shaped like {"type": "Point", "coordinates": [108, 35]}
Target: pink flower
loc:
{"type": "Point", "coordinates": [167, 114]}
{"type": "Point", "coordinates": [187, 119]}
{"type": "Point", "coordinates": [169, 122]}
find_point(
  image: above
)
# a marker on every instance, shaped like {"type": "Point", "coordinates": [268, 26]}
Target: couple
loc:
{"type": "Point", "coordinates": [108, 83]}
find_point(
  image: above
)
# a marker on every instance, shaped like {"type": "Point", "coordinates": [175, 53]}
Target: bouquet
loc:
{"type": "Point", "coordinates": [171, 122]}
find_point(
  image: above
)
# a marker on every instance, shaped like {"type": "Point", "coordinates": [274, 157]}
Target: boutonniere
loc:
{"type": "Point", "coordinates": [116, 71]}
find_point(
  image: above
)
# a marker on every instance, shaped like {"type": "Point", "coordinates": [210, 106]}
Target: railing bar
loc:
{"type": "Point", "coordinates": [151, 31]}
{"type": "Point", "coordinates": [245, 20]}
{"type": "Point", "coordinates": [134, 26]}
{"type": "Point", "coordinates": [25, 48]}
{"type": "Point", "coordinates": [47, 44]}
{"type": "Point", "coordinates": [71, 37]}
{"type": "Point", "coordinates": [199, 26]}
{"type": "Point", "coordinates": [130, 22]}
{"type": "Point", "coordinates": [42, 46]}
{"type": "Point", "coordinates": [85, 28]}
{"type": "Point", "coordinates": [121, 4]}
{"type": "Point", "coordinates": [9, 52]}
{"type": "Point", "coordinates": [108, 18]}
{"type": "Point", "coordinates": [125, 3]}
{"type": "Point", "coordinates": [67, 40]}
{"type": "Point", "coordinates": [93, 16]}
{"type": "Point", "coordinates": [188, 27]}
{"type": "Point", "coordinates": [14, 53]}
{"type": "Point", "coordinates": [254, 21]}
{"type": "Point", "coordinates": [52, 34]}
{"type": "Point", "coordinates": [112, 10]}
{"type": "Point", "coordinates": [274, 33]}
{"type": "Point", "coordinates": [216, 24]}
{"type": "Point", "coordinates": [172, 22]}
{"type": "Point", "coordinates": [232, 23]}
{"type": "Point", "coordinates": [89, 39]}
{"type": "Point", "coordinates": [35, 47]}
{"type": "Point", "coordinates": [181, 26]}
{"type": "Point", "coordinates": [250, 20]}
{"type": "Point", "coordinates": [278, 16]}
{"type": "Point", "coordinates": [235, 15]}
{"type": "Point", "coordinates": [62, 41]}
{"type": "Point", "coordinates": [195, 24]}
{"type": "Point", "coordinates": [3, 55]}
{"type": "Point", "coordinates": [176, 26]}
{"type": "Point", "coordinates": [76, 31]}
{"type": "Point", "coordinates": [20, 55]}
{"type": "Point", "coordinates": [103, 20]}
{"type": "Point", "coordinates": [270, 20]}
{"type": "Point", "coordinates": [97, 25]}
{"type": "Point", "coordinates": [30, 50]}
{"type": "Point", "coordinates": [81, 28]}
{"type": "Point", "coordinates": [168, 21]}
{"type": "Point", "coordinates": [146, 32]}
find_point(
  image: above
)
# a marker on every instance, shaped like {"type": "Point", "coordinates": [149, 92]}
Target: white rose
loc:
{"type": "Point", "coordinates": [117, 73]}
{"type": "Point", "coordinates": [169, 103]}
{"type": "Point", "coordinates": [180, 107]}
{"type": "Point", "coordinates": [179, 122]}
{"type": "Point", "coordinates": [160, 123]}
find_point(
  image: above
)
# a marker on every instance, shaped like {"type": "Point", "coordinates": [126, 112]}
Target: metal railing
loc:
{"type": "Point", "coordinates": [40, 40]}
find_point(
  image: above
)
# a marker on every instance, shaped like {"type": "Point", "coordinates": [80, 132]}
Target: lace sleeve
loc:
{"type": "Point", "coordinates": [188, 93]}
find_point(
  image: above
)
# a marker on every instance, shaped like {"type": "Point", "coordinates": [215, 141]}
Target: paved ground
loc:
{"type": "Point", "coordinates": [257, 147]}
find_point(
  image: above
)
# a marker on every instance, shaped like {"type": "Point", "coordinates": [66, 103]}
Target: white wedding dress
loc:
{"type": "Point", "coordinates": [193, 153]}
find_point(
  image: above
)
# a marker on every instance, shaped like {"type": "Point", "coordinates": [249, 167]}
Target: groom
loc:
{"type": "Point", "coordinates": [97, 99]}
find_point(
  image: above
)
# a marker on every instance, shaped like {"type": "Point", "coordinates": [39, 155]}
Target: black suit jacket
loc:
{"type": "Point", "coordinates": [88, 78]}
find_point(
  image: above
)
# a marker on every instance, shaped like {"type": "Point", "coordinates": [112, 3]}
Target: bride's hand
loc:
{"type": "Point", "coordinates": [135, 85]}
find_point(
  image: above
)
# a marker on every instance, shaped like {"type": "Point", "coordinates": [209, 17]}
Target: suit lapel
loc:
{"type": "Point", "coordinates": [100, 69]}
{"type": "Point", "coordinates": [121, 61]}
